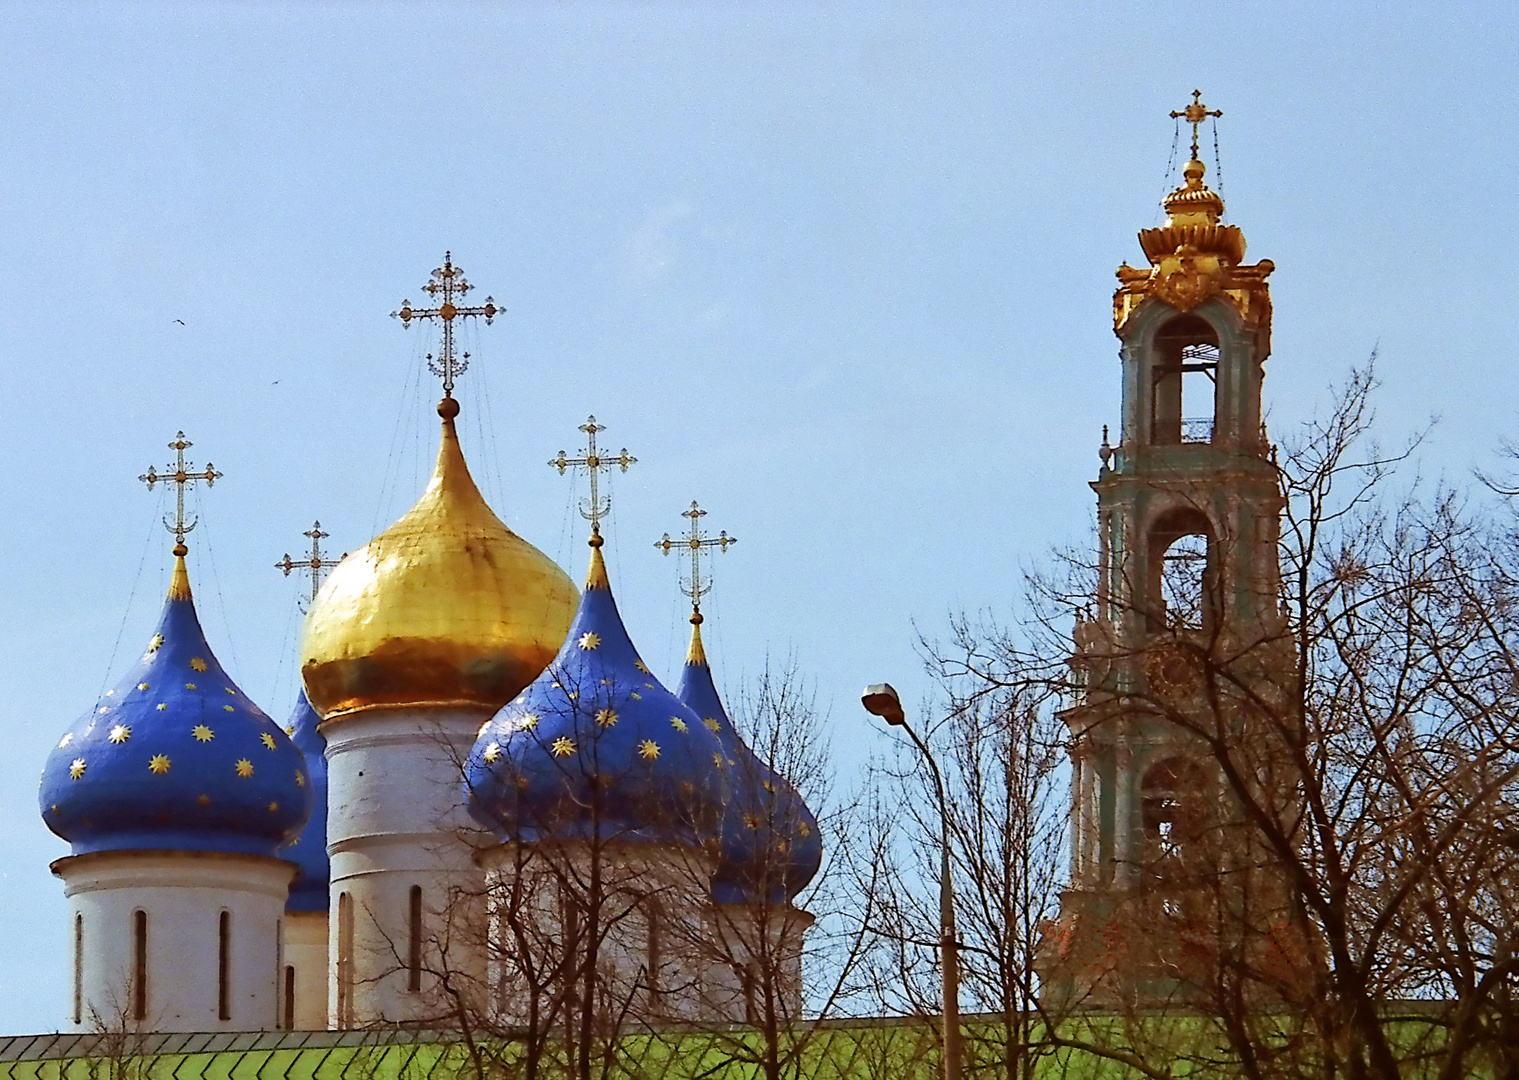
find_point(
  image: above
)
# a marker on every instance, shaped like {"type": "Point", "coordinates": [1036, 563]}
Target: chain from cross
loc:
{"type": "Point", "coordinates": [312, 564]}
{"type": "Point", "coordinates": [448, 284]}
{"type": "Point", "coordinates": [181, 477]}
{"type": "Point", "coordinates": [593, 461]}
{"type": "Point", "coordinates": [1195, 114]}
{"type": "Point", "coordinates": [694, 543]}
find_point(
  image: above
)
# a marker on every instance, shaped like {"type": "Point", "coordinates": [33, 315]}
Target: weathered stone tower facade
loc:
{"type": "Point", "coordinates": [1186, 624]}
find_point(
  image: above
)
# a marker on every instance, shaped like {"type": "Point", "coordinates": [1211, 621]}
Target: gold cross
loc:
{"type": "Point", "coordinates": [447, 281]}
{"type": "Point", "coordinates": [181, 477]}
{"type": "Point", "coordinates": [1195, 114]}
{"type": "Point", "coordinates": [593, 462]}
{"type": "Point", "coordinates": [313, 564]}
{"type": "Point", "coordinates": [694, 542]}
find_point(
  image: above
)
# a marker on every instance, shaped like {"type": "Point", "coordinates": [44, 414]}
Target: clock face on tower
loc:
{"type": "Point", "coordinates": [1172, 673]}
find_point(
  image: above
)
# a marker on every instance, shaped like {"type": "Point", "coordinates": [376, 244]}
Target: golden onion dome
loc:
{"type": "Point", "coordinates": [447, 607]}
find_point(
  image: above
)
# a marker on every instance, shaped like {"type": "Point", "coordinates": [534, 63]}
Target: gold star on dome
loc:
{"type": "Point", "coordinates": [636, 696]}
{"type": "Point", "coordinates": [712, 724]}
{"type": "Point", "coordinates": [197, 664]}
{"type": "Point", "coordinates": [641, 666]}
{"type": "Point", "coordinates": [203, 800]}
{"type": "Point", "coordinates": [120, 733]}
{"type": "Point", "coordinates": [142, 686]}
{"type": "Point", "coordinates": [492, 752]}
{"type": "Point", "coordinates": [648, 750]}
{"type": "Point", "coordinates": [229, 690]}
{"type": "Point", "coordinates": [273, 807]}
{"type": "Point", "coordinates": [202, 733]}
{"type": "Point", "coordinates": [574, 694]}
{"type": "Point", "coordinates": [294, 842]}
{"type": "Point", "coordinates": [158, 764]}
{"type": "Point", "coordinates": [227, 708]}
{"type": "Point", "coordinates": [530, 721]}
{"type": "Point", "coordinates": [244, 768]}
{"type": "Point", "coordinates": [562, 747]}
{"type": "Point", "coordinates": [678, 724]}
{"type": "Point", "coordinates": [267, 739]}
{"type": "Point", "coordinates": [606, 718]}
{"type": "Point", "coordinates": [717, 759]}
{"type": "Point", "coordinates": [751, 821]}
{"type": "Point", "coordinates": [300, 778]}
{"type": "Point", "coordinates": [76, 768]}
{"type": "Point", "coordinates": [289, 729]}
{"type": "Point", "coordinates": [154, 643]}
{"type": "Point", "coordinates": [65, 740]}
{"type": "Point", "coordinates": [162, 706]}
{"type": "Point", "coordinates": [589, 640]}
{"type": "Point", "coordinates": [189, 686]}
{"type": "Point", "coordinates": [804, 829]}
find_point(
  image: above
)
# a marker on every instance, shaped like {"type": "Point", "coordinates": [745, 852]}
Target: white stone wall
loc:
{"type": "Point", "coordinates": [751, 940]}
{"type": "Point", "coordinates": [645, 972]}
{"type": "Point", "coordinates": [183, 895]}
{"type": "Point", "coordinates": [396, 820]}
{"type": "Point", "coordinates": [306, 955]}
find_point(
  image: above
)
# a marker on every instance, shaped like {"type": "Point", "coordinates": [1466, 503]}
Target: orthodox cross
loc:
{"type": "Point", "coordinates": [1195, 114]}
{"type": "Point", "coordinates": [447, 284]}
{"type": "Point", "coordinates": [694, 542]}
{"type": "Point", "coordinates": [181, 477]}
{"type": "Point", "coordinates": [312, 564]}
{"type": "Point", "coordinates": [593, 461]}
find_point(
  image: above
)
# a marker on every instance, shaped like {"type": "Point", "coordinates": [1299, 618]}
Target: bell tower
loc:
{"type": "Point", "coordinates": [1187, 580]}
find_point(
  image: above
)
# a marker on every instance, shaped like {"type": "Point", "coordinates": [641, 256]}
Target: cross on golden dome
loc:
{"type": "Point", "coordinates": [695, 543]}
{"type": "Point", "coordinates": [592, 461]}
{"type": "Point", "coordinates": [447, 283]}
{"type": "Point", "coordinates": [181, 477]}
{"type": "Point", "coordinates": [1195, 114]}
{"type": "Point", "coordinates": [312, 564]}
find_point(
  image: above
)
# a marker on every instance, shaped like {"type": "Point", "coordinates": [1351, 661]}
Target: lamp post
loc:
{"type": "Point", "coordinates": [880, 699]}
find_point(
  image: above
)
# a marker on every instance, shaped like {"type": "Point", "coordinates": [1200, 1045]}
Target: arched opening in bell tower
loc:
{"type": "Point", "coordinates": [1173, 794]}
{"type": "Point", "coordinates": [1183, 572]}
{"type": "Point", "coordinates": [1184, 374]}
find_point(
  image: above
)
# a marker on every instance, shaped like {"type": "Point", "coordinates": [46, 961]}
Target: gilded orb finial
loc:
{"type": "Point", "coordinates": [181, 477]}
{"type": "Point", "coordinates": [313, 563]}
{"type": "Point", "coordinates": [593, 461]}
{"type": "Point", "coordinates": [695, 543]}
{"type": "Point", "coordinates": [448, 285]}
{"type": "Point", "coordinates": [1195, 114]}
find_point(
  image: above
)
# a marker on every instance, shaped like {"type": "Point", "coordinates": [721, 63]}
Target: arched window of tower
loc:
{"type": "Point", "coordinates": [1184, 376]}
{"type": "Point", "coordinates": [1173, 793]}
{"type": "Point", "coordinates": [1183, 572]}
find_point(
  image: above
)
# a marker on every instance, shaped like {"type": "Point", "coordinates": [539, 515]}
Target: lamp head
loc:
{"type": "Point", "coordinates": [880, 699]}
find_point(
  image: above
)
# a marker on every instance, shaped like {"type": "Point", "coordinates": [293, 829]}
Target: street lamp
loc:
{"type": "Point", "coordinates": [880, 699]}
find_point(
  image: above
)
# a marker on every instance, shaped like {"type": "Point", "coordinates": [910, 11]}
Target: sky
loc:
{"type": "Point", "coordinates": [841, 273]}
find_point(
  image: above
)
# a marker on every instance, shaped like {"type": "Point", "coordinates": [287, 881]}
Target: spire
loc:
{"type": "Point", "coordinates": [448, 286]}
{"type": "Point", "coordinates": [1194, 256]}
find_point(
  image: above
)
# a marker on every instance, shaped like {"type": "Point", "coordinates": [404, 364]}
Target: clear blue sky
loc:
{"type": "Point", "coordinates": [843, 275]}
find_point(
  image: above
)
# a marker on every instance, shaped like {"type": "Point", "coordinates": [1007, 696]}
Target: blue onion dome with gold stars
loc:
{"type": "Point", "coordinates": [308, 892]}
{"type": "Point", "coordinates": [597, 747]}
{"type": "Point", "coordinates": [176, 758]}
{"type": "Point", "coordinates": [771, 844]}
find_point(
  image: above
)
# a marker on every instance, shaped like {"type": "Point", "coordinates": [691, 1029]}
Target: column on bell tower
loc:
{"type": "Point", "coordinates": [1187, 570]}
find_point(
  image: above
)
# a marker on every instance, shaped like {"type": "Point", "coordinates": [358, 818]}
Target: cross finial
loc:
{"type": "Point", "coordinates": [694, 543]}
{"type": "Point", "coordinates": [1195, 114]}
{"type": "Point", "coordinates": [592, 461]}
{"type": "Point", "coordinates": [312, 564]}
{"type": "Point", "coordinates": [181, 477]}
{"type": "Point", "coordinates": [448, 285]}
